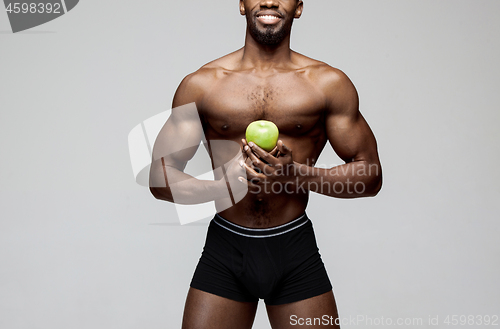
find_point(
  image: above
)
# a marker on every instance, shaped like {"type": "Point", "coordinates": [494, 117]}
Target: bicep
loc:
{"type": "Point", "coordinates": [351, 138]}
{"type": "Point", "coordinates": [347, 130]}
{"type": "Point", "coordinates": [181, 135]}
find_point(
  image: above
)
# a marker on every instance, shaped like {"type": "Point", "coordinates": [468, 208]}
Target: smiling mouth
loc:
{"type": "Point", "coordinates": [268, 19]}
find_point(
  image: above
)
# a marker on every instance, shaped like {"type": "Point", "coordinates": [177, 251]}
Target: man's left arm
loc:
{"type": "Point", "coordinates": [352, 140]}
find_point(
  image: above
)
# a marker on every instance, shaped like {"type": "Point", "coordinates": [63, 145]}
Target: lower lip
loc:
{"type": "Point", "coordinates": [268, 21]}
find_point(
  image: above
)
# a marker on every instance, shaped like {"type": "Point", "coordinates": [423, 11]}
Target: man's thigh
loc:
{"type": "Point", "coordinates": [303, 313]}
{"type": "Point", "coordinates": [206, 311]}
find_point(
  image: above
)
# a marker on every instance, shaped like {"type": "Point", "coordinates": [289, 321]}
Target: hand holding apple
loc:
{"type": "Point", "coordinates": [264, 168]}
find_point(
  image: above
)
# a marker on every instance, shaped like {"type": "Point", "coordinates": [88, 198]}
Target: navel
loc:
{"type": "Point", "coordinates": [225, 127]}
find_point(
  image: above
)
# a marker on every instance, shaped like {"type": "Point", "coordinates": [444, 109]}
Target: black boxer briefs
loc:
{"type": "Point", "coordinates": [279, 264]}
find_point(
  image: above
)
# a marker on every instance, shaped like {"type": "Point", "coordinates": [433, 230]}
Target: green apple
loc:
{"type": "Point", "coordinates": [263, 133]}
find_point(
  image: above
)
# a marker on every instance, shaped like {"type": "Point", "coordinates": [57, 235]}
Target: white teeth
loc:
{"type": "Point", "coordinates": [269, 17]}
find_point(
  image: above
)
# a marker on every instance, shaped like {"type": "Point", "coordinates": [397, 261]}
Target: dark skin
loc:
{"type": "Point", "coordinates": [311, 103]}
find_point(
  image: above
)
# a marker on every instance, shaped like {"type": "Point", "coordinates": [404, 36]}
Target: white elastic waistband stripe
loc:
{"type": "Point", "coordinates": [261, 236]}
{"type": "Point", "coordinates": [261, 229]}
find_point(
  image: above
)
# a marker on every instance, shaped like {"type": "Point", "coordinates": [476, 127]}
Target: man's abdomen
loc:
{"type": "Point", "coordinates": [267, 209]}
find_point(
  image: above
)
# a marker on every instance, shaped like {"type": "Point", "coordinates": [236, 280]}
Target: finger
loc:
{"type": "Point", "coordinates": [243, 181]}
{"type": "Point", "coordinates": [255, 161]}
{"type": "Point", "coordinates": [248, 183]}
{"type": "Point", "coordinates": [253, 183]}
{"type": "Point", "coordinates": [251, 173]}
{"type": "Point", "coordinates": [247, 152]}
{"type": "Point", "coordinates": [262, 154]}
{"type": "Point", "coordinates": [248, 161]}
{"type": "Point", "coordinates": [244, 152]}
{"type": "Point", "coordinates": [284, 150]}
{"type": "Point", "coordinates": [254, 158]}
{"type": "Point", "coordinates": [244, 146]}
{"type": "Point", "coordinates": [275, 151]}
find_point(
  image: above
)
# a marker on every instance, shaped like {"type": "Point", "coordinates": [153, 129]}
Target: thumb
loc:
{"type": "Point", "coordinates": [284, 150]}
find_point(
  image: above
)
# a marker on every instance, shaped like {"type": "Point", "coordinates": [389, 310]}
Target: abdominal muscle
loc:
{"type": "Point", "coordinates": [266, 210]}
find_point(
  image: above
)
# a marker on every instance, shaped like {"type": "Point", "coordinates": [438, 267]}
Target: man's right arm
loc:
{"type": "Point", "coordinates": [175, 145]}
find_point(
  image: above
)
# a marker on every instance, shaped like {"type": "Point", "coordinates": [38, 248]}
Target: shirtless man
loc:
{"type": "Point", "coordinates": [263, 245]}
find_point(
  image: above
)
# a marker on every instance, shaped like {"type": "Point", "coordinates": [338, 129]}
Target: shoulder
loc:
{"type": "Point", "coordinates": [338, 91]}
{"type": "Point", "coordinates": [195, 85]}
{"type": "Point", "coordinates": [330, 79]}
{"type": "Point", "coordinates": [192, 87]}
{"type": "Point", "coordinates": [326, 78]}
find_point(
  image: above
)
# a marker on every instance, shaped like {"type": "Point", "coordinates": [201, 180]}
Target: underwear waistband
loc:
{"type": "Point", "coordinates": [260, 232]}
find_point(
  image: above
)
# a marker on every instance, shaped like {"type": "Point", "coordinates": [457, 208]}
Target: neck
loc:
{"type": "Point", "coordinates": [264, 57]}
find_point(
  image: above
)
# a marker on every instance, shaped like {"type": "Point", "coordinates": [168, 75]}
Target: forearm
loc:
{"type": "Point", "coordinates": [170, 184]}
{"type": "Point", "coordinates": [351, 180]}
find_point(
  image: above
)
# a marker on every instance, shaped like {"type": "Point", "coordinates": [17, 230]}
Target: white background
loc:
{"type": "Point", "coordinates": [83, 246]}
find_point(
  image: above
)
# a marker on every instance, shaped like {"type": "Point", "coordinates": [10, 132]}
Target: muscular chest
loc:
{"type": "Point", "coordinates": [288, 100]}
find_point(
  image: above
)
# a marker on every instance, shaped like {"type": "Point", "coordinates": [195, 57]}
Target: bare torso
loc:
{"type": "Point", "coordinates": [292, 98]}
